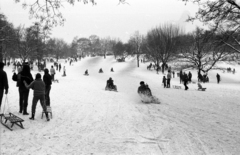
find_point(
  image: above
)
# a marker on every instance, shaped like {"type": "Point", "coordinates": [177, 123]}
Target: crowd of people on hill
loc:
{"type": "Point", "coordinates": [41, 86]}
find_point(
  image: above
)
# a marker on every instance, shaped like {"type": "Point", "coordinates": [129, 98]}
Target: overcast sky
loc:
{"type": "Point", "coordinates": [107, 18]}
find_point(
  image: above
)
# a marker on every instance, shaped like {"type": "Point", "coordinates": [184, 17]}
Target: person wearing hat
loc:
{"type": "Point", "coordinates": [17, 77]}
{"type": "Point", "coordinates": [47, 79]}
{"type": "Point", "coordinates": [38, 87]}
{"type": "Point", "coordinates": [144, 89]}
{"type": "Point", "coordinates": [110, 83]}
{"type": "Point", "coordinates": [24, 75]}
{"type": "Point", "coordinates": [3, 82]}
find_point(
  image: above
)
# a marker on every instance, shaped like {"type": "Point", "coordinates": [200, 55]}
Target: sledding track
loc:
{"type": "Point", "coordinates": [89, 120]}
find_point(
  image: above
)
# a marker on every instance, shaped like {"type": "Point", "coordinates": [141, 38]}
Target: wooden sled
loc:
{"type": "Point", "coordinates": [202, 89]}
{"type": "Point", "coordinates": [13, 119]}
{"type": "Point", "coordinates": [49, 111]}
{"type": "Point", "coordinates": [176, 87]}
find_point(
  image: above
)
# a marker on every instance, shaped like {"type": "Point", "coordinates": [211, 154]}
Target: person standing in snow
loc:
{"type": "Point", "coordinates": [190, 76]}
{"type": "Point", "coordinates": [181, 76]}
{"type": "Point", "coordinates": [24, 75]}
{"type": "Point", "coordinates": [59, 67]}
{"type": "Point", "coordinates": [185, 80]}
{"type": "Point", "coordinates": [218, 78]}
{"type": "Point", "coordinates": [17, 78]}
{"type": "Point", "coordinates": [52, 72]}
{"type": "Point", "coordinates": [3, 82]}
{"type": "Point", "coordinates": [168, 79]}
{"type": "Point", "coordinates": [164, 81]}
{"type": "Point", "coordinates": [64, 71]}
{"type": "Point", "coordinates": [47, 79]}
{"type": "Point", "coordinates": [38, 87]}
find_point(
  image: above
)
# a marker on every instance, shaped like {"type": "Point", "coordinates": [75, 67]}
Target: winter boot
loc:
{"type": "Point", "coordinates": [47, 116]}
{"type": "Point", "coordinates": [32, 118]}
{"type": "Point", "coordinates": [25, 111]}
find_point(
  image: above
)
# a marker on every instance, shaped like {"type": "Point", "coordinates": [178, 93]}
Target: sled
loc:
{"type": "Point", "coordinates": [149, 99]}
{"type": "Point", "coordinates": [49, 111]}
{"type": "Point", "coordinates": [202, 89]}
{"type": "Point", "coordinates": [176, 87]}
{"type": "Point", "coordinates": [13, 119]}
{"type": "Point", "coordinates": [111, 89]}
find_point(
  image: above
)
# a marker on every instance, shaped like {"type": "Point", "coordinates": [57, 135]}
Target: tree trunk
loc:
{"type": "Point", "coordinates": [163, 67]}
{"type": "Point", "coordinates": [1, 55]}
{"type": "Point", "coordinates": [137, 60]}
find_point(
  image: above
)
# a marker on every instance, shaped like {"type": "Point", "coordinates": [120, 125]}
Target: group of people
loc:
{"type": "Point", "coordinates": [186, 78]}
{"type": "Point", "coordinates": [24, 81]}
{"type": "Point", "coordinates": [41, 89]}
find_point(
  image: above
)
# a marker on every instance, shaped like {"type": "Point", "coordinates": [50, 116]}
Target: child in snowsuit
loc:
{"type": "Point", "coordinates": [164, 81]}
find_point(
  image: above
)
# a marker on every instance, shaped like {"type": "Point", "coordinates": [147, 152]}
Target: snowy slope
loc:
{"type": "Point", "coordinates": [89, 120]}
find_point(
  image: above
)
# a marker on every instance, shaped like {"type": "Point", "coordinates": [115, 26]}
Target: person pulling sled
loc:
{"type": "Point", "coordinates": [146, 95]}
{"type": "Point", "coordinates": [110, 85]}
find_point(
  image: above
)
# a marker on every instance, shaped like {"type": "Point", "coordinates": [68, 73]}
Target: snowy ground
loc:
{"type": "Point", "coordinates": [89, 120]}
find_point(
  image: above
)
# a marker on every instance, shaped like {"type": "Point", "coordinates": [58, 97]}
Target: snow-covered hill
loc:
{"type": "Point", "coordinates": [89, 120]}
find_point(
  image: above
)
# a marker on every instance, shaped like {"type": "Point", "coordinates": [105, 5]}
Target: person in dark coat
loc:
{"type": "Point", "coordinates": [86, 72]}
{"type": "Point", "coordinates": [100, 70]}
{"type": "Point", "coordinates": [185, 80]}
{"type": "Point", "coordinates": [16, 77]}
{"type": "Point", "coordinates": [218, 78]}
{"type": "Point", "coordinates": [200, 77]}
{"type": "Point", "coordinates": [59, 67]}
{"type": "Point", "coordinates": [169, 79]}
{"type": "Point", "coordinates": [3, 82]}
{"type": "Point", "coordinates": [110, 83]}
{"type": "Point", "coordinates": [164, 81]}
{"type": "Point", "coordinates": [190, 76]}
{"type": "Point", "coordinates": [47, 79]}
{"type": "Point", "coordinates": [144, 89]}
{"type": "Point", "coordinates": [24, 75]}
{"type": "Point", "coordinates": [181, 76]}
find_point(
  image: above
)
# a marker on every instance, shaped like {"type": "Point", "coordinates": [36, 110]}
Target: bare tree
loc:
{"type": "Point", "coordinates": [83, 46]}
{"type": "Point", "coordinates": [6, 36]}
{"type": "Point", "coordinates": [202, 50]}
{"type": "Point", "coordinates": [48, 11]}
{"type": "Point", "coordinates": [95, 45]}
{"type": "Point", "coordinates": [222, 16]}
{"type": "Point", "coordinates": [106, 45]}
{"type": "Point", "coordinates": [25, 43]}
{"type": "Point", "coordinates": [161, 43]}
{"type": "Point", "coordinates": [136, 41]}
